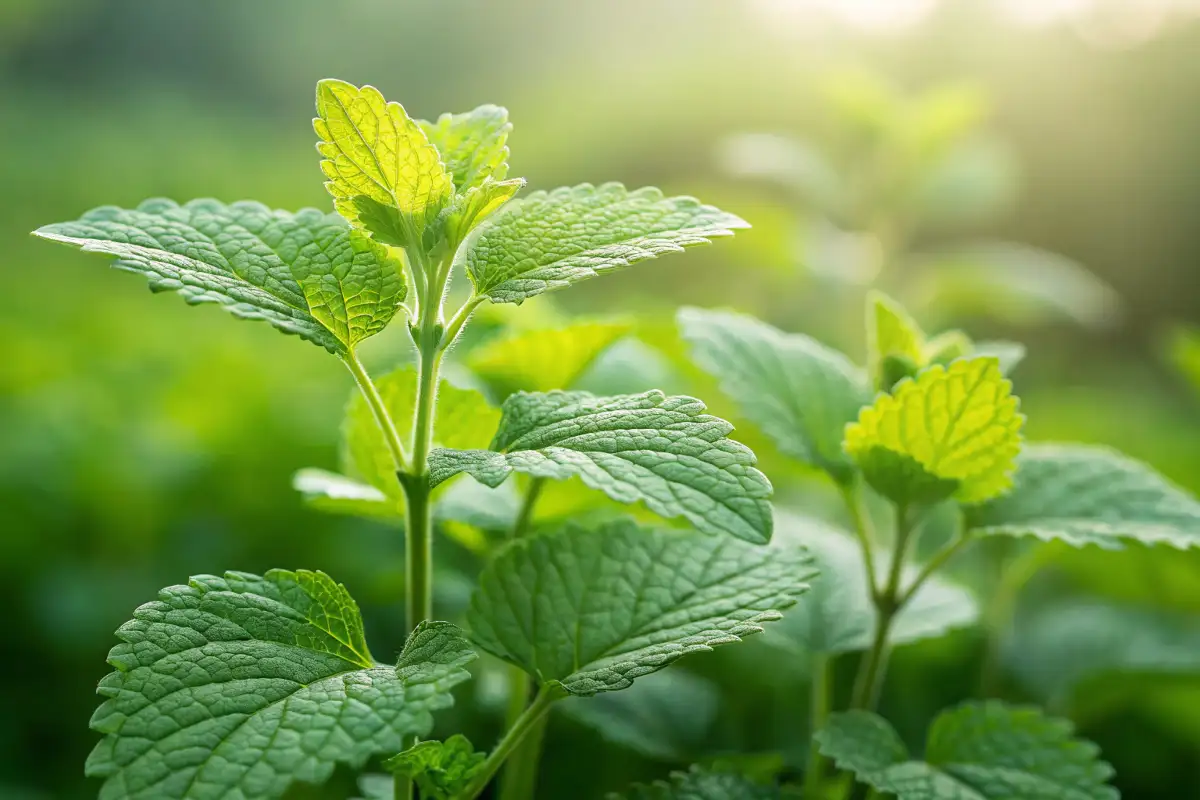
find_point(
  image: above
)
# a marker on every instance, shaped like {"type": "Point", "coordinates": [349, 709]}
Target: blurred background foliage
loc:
{"type": "Point", "coordinates": [1022, 170]}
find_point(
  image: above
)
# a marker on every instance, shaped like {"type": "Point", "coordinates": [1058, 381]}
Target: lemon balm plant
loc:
{"type": "Point", "coordinates": [240, 685]}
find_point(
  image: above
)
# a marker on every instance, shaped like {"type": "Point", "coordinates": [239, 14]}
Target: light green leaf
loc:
{"type": "Point", "coordinates": [977, 751]}
{"type": "Point", "coordinates": [464, 420]}
{"type": "Point", "coordinates": [337, 494]}
{"type": "Point", "coordinates": [662, 451]}
{"type": "Point", "coordinates": [237, 686]}
{"type": "Point", "coordinates": [473, 145]}
{"type": "Point", "coordinates": [665, 716]}
{"type": "Point", "coordinates": [384, 175]}
{"type": "Point", "coordinates": [549, 240]}
{"type": "Point", "coordinates": [797, 391]}
{"type": "Point", "coordinates": [590, 610]}
{"type": "Point", "coordinates": [892, 333]}
{"type": "Point", "coordinates": [700, 784]}
{"type": "Point", "coordinates": [1057, 646]}
{"type": "Point", "coordinates": [1090, 495]}
{"type": "Point", "coordinates": [544, 359]}
{"type": "Point", "coordinates": [376, 787]}
{"type": "Point", "coordinates": [952, 430]}
{"type": "Point", "coordinates": [476, 205]}
{"type": "Point", "coordinates": [305, 273]}
{"type": "Point", "coordinates": [837, 615]}
{"type": "Point", "coordinates": [441, 769]}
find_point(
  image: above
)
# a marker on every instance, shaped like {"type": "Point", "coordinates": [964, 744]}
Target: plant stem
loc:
{"type": "Point", "coordinates": [887, 604]}
{"type": "Point", "coordinates": [821, 705]}
{"type": "Point", "coordinates": [512, 737]}
{"type": "Point", "coordinates": [402, 788]}
{"type": "Point", "coordinates": [933, 565]}
{"type": "Point", "coordinates": [853, 497]}
{"type": "Point", "coordinates": [519, 779]}
{"type": "Point", "coordinates": [387, 427]}
{"type": "Point", "coordinates": [525, 515]}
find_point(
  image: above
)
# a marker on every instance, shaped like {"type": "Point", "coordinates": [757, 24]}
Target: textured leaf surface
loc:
{"type": "Point", "coordinates": [977, 751]}
{"type": "Point", "coordinates": [237, 686]}
{"type": "Point", "coordinates": [662, 451]}
{"type": "Point", "coordinates": [700, 784]}
{"type": "Point", "coordinates": [305, 273]}
{"type": "Point", "coordinates": [797, 391]}
{"type": "Point", "coordinates": [549, 240]}
{"type": "Point", "coordinates": [377, 158]}
{"type": "Point", "coordinates": [956, 425]}
{"type": "Point", "coordinates": [593, 609]}
{"type": "Point", "coordinates": [665, 716]}
{"type": "Point", "coordinates": [543, 359]}
{"type": "Point", "coordinates": [473, 146]}
{"type": "Point", "coordinates": [469, 210]}
{"type": "Point", "coordinates": [1090, 495]}
{"type": "Point", "coordinates": [440, 769]}
{"type": "Point", "coordinates": [837, 615]}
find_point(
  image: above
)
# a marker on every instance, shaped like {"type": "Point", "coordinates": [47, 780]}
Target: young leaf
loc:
{"type": "Point", "coordinates": [305, 273]}
{"type": "Point", "coordinates": [592, 609]}
{"type": "Point", "coordinates": [469, 210]}
{"type": "Point", "coordinates": [663, 451]}
{"type": "Point", "coordinates": [797, 391]}
{"type": "Point", "coordinates": [837, 615]}
{"type": "Point", "coordinates": [1089, 495]}
{"type": "Point", "coordinates": [891, 334]}
{"type": "Point", "coordinates": [665, 716]}
{"type": "Point", "coordinates": [383, 173]}
{"type": "Point", "coordinates": [237, 686]}
{"type": "Point", "coordinates": [977, 751]}
{"type": "Point", "coordinates": [544, 359]}
{"type": "Point", "coordinates": [549, 240]}
{"type": "Point", "coordinates": [700, 784]}
{"type": "Point", "coordinates": [952, 430]}
{"type": "Point", "coordinates": [472, 145]}
{"type": "Point", "coordinates": [440, 769]}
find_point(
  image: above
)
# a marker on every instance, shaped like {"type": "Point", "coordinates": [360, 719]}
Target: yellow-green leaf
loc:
{"type": "Point", "coordinates": [473, 145]}
{"type": "Point", "coordinates": [544, 359]}
{"type": "Point", "coordinates": [892, 333]}
{"type": "Point", "coordinates": [951, 430]}
{"type": "Point", "coordinates": [383, 173]}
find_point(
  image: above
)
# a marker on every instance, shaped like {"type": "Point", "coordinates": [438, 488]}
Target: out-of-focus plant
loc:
{"type": "Point", "coordinates": [893, 191]}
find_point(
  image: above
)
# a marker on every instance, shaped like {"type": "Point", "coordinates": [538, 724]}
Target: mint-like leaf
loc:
{"type": "Point", "coordinates": [593, 609]}
{"type": "Point", "coordinates": [384, 175]}
{"type": "Point", "coordinates": [543, 359]}
{"type": "Point", "coordinates": [550, 240]}
{"type": "Point", "coordinates": [797, 391]}
{"type": "Point", "coordinates": [662, 451]}
{"type": "Point", "coordinates": [837, 615]}
{"type": "Point", "coordinates": [440, 769]}
{"type": "Point", "coordinates": [472, 145]}
{"type": "Point", "coordinates": [239, 685]}
{"type": "Point", "coordinates": [700, 784]}
{"type": "Point", "coordinates": [305, 273]}
{"type": "Point", "coordinates": [977, 751]}
{"type": "Point", "coordinates": [1090, 495]}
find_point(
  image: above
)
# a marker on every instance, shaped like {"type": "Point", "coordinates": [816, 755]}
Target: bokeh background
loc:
{"type": "Point", "coordinates": [905, 144]}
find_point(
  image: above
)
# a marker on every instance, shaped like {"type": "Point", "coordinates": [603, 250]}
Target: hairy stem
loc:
{"type": "Point", "coordinates": [512, 737]}
{"type": "Point", "coordinates": [853, 497]}
{"type": "Point", "coordinates": [821, 704]}
{"type": "Point", "coordinates": [383, 419]}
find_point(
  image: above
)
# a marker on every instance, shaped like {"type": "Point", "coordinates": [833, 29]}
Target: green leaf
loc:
{"type": "Point", "coordinates": [384, 175]}
{"type": "Point", "coordinates": [237, 686]}
{"type": "Point", "coordinates": [1056, 647]}
{"type": "Point", "coordinates": [590, 610]}
{"type": "Point", "coordinates": [952, 430]}
{"type": "Point", "coordinates": [665, 716]}
{"type": "Point", "coordinates": [891, 333]}
{"type": "Point", "coordinates": [700, 784]}
{"type": "Point", "coordinates": [376, 787]}
{"type": "Point", "coordinates": [977, 751]}
{"type": "Point", "coordinates": [662, 451]}
{"type": "Point", "coordinates": [476, 205]}
{"type": "Point", "coordinates": [473, 146]}
{"type": "Point", "coordinates": [550, 240]}
{"type": "Point", "coordinates": [337, 494]}
{"type": "Point", "coordinates": [441, 769]}
{"type": "Point", "coordinates": [798, 392]}
{"type": "Point", "coordinates": [305, 273]}
{"type": "Point", "coordinates": [1083, 494]}
{"type": "Point", "coordinates": [544, 359]}
{"type": "Point", "coordinates": [837, 615]}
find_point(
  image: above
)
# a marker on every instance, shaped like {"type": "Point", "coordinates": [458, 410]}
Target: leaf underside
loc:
{"type": "Point", "coordinates": [662, 451]}
{"type": "Point", "coordinates": [593, 609]}
{"type": "Point", "coordinates": [237, 686]}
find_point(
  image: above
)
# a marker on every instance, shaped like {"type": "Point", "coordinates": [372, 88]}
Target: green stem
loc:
{"type": "Point", "coordinates": [887, 604]}
{"type": "Point", "coordinates": [512, 737]}
{"type": "Point", "coordinates": [519, 779]}
{"type": "Point", "coordinates": [402, 788]}
{"type": "Point", "coordinates": [933, 565]}
{"type": "Point", "coordinates": [525, 515]}
{"type": "Point", "coordinates": [853, 497]}
{"type": "Point", "coordinates": [821, 704]}
{"type": "Point", "coordinates": [391, 436]}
